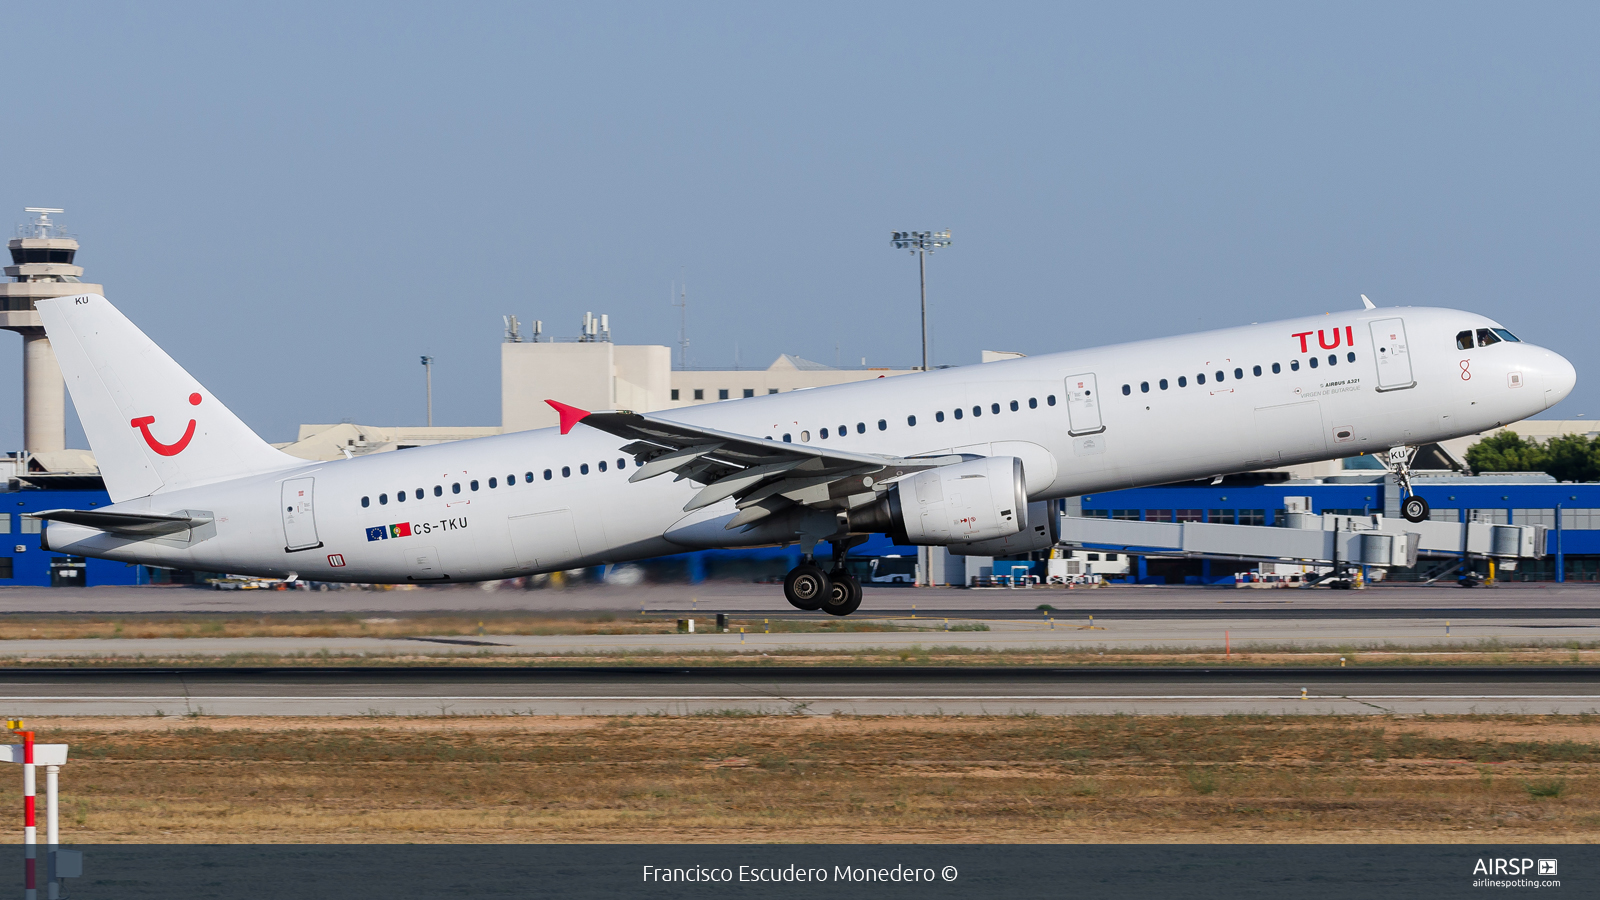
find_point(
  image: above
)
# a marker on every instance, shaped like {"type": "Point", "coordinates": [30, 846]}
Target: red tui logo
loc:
{"type": "Point", "coordinates": [143, 423]}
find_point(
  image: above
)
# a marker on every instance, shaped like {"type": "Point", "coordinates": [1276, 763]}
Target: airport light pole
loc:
{"type": "Point", "coordinates": [922, 243]}
{"type": "Point", "coordinates": [427, 363]}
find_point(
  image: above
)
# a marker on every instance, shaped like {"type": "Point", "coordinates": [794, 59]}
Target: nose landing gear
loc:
{"type": "Point", "coordinates": [1398, 461]}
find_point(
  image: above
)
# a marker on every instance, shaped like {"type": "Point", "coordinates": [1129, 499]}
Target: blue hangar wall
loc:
{"type": "Point", "coordinates": [23, 563]}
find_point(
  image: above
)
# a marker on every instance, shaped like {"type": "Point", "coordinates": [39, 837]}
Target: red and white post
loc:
{"type": "Point", "coordinates": [30, 827]}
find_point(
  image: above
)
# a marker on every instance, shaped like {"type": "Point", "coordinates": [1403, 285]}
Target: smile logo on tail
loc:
{"type": "Point", "coordinates": [143, 423]}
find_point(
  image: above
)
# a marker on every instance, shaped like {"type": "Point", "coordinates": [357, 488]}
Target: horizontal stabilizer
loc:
{"type": "Point", "coordinates": [132, 524]}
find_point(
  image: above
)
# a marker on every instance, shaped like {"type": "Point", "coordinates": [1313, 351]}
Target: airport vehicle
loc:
{"type": "Point", "coordinates": [893, 569]}
{"type": "Point", "coordinates": [963, 457]}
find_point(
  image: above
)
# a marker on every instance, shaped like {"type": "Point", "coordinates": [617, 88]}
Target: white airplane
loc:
{"type": "Point", "coordinates": [966, 458]}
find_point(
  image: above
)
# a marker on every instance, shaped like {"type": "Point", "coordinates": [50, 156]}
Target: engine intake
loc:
{"type": "Point", "coordinates": [978, 500]}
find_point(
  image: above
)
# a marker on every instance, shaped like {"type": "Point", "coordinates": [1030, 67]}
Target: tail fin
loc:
{"type": "Point", "coordinates": [153, 428]}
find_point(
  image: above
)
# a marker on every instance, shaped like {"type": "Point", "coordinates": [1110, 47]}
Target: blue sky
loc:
{"type": "Point", "coordinates": [298, 200]}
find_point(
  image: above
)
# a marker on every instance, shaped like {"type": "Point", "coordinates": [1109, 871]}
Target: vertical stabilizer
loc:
{"type": "Point", "coordinates": [153, 427]}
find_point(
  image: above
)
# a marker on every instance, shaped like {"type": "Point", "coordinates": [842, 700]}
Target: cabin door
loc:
{"type": "Point", "coordinates": [1394, 355]}
{"type": "Point", "coordinates": [1083, 405]}
{"type": "Point", "coordinates": [299, 519]}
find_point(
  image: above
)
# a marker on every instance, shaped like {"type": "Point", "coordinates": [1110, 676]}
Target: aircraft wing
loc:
{"type": "Point", "coordinates": [126, 523]}
{"type": "Point", "coordinates": [762, 475]}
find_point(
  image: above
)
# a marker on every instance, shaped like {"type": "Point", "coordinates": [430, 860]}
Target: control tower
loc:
{"type": "Point", "coordinates": [41, 267]}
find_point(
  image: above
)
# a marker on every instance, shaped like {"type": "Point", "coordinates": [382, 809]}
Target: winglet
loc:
{"type": "Point", "coordinates": [1369, 304]}
{"type": "Point", "coordinates": [570, 415]}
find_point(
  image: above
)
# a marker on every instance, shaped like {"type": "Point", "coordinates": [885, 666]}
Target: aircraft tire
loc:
{"type": "Point", "coordinates": [845, 596]}
{"type": "Point", "coordinates": [806, 587]}
{"type": "Point", "coordinates": [1415, 509]}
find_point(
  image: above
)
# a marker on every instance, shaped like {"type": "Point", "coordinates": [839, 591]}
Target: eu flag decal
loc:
{"type": "Point", "coordinates": [377, 533]}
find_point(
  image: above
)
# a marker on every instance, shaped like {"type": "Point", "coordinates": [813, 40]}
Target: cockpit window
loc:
{"type": "Point", "coordinates": [1464, 341]}
{"type": "Point", "coordinates": [1507, 336]}
{"type": "Point", "coordinates": [1486, 336]}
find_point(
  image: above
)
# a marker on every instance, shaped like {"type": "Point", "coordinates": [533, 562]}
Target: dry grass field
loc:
{"type": "Point", "coordinates": [830, 779]}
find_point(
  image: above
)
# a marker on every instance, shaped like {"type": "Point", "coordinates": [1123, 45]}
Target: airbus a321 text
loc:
{"type": "Point", "coordinates": [967, 458]}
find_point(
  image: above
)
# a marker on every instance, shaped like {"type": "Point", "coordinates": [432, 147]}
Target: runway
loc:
{"type": "Point", "coordinates": [436, 692]}
{"type": "Point", "coordinates": [714, 597]}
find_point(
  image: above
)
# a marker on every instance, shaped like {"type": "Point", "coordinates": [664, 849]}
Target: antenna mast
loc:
{"type": "Point", "coordinates": [683, 324]}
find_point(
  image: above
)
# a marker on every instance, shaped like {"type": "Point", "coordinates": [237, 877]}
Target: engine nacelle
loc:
{"type": "Point", "coordinates": [1042, 533]}
{"type": "Point", "coordinates": [978, 500]}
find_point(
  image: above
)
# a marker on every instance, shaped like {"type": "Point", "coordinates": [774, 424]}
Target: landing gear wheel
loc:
{"type": "Point", "coordinates": [845, 596]}
{"type": "Point", "coordinates": [806, 587]}
{"type": "Point", "coordinates": [1415, 509]}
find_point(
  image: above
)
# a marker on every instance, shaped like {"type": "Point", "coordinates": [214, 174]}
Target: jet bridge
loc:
{"type": "Point", "coordinates": [1308, 539]}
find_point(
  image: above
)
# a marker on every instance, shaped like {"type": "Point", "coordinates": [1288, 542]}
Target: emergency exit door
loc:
{"type": "Point", "coordinates": [1083, 405]}
{"type": "Point", "coordinates": [1393, 354]}
{"type": "Point", "coordinates": [299, 517]}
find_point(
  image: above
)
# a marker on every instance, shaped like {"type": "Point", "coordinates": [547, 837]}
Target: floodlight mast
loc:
{"type": "Point", "coordinates": [922, 243]}
{"type": "Point", "coordinates": [427, 364]}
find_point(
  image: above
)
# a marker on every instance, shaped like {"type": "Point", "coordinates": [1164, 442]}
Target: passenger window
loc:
{"type": "Point", "coordinates": [1486, 336]}
{"type": "Point", "coordinates": [365, 502]}
{"type": "Point", "coordinates": [1183, 381]}
{"type": "Point", "coordinates": [1219, 375]}
{"type": "Point", "coordinates": [1144, 387]}
{"type": "Point", "coordinates": [1464, 340]}
{"type": "Point", "coordinates": [438, 491]}
{"type": "Point", "coordinates": [566, 471]}
{"type": "Point", "coordinates": [824, 433]}
{"type": "Point", "coordinates": [912, 421]}
{"type": "Point", "coordinates": [1162, 383]}
{"type": "Point", "coordinates": [1126, 390]}
{"type": "Point", "coordinates": [400, 497]}
{"type": "Point", "coordinates": [805, 437]}
{"type": "Point", "coordinates": [994, 408]}
{"type": "Point", "coordinates": [526, 476]}
{"type": "Point", "coordinates": [1200, 379]}
{"type": "Point", "coordinates": [419, 493]}
{"type": "Point", "coordinates": [602, 465]}
{"type": "Point", "coordinates": [882, 425]}
{"type": "Point", "coordinates": [1033, 402]}
{"type": "Point", "coordinates": [1015, 406]}
{"type": "Point", "coordinates": [1256, 371]}
{"type": "Point", "coordinates": [622, 463]}
{"type": "Point", "coordinates": [583, 469]}
{"type": "Point", "coordinates": [958, 412]}
{"type": "Point", "coordinates": [1050, 400]}
{"type": "Point", "coordinates": [383, 499]}
{"type": "Point", "coordinates": [455, 488]}
{"type": "Point", "coordinates": [844, 430]}
{"type": "Point", "coordinates": [473, 485]}
{"type": "Point", "coordinates": [939, 416]}
{"type": "Point", "coordinates": [1313, 362]}
{"type": "Point", "coordinates": [1239, 373]}
{"type": "Point", "coordinates": [1277, 369]}
{"type": "Point", "coordinates": [494, 482]}
{"type": "Point", "coordinates": [977, 411]}
{"type": "Point", "coordinates": [548, 474]}
{"type": "Point", "coordinates": [1351, 356]}
{"type": "Point", "coordinates": [861, 428]}
{"type": "Point", "coordinates": [1294, 365]}
{"type": "Point", "coordinates": [1333, 359]}
{"type": "Point", "coordinates": [786, 439]}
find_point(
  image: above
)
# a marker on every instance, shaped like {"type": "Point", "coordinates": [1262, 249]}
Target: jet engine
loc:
{"type": "Point", "coordinates": [1041, 533]}
{"type": "Point", "coordinates": [978, 500]}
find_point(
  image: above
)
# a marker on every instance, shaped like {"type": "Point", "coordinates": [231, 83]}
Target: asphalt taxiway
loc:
{"type": "Point", "coordinates": [798, 691]}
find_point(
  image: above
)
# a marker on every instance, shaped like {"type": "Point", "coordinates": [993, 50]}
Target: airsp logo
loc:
{"type": "Point", "coordinates": [1512, 867]}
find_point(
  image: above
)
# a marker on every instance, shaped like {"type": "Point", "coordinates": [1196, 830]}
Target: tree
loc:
{"type": "Point", "coordinates": [1570, 457]}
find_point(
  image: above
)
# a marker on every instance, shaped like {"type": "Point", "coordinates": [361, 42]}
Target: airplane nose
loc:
{"type": "Point", "coordinates": [1559, 379]}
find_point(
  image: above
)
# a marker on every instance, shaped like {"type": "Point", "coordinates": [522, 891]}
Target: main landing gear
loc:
{"type": "Point", "coordinates": [835, 592]}
{"type": "Point", "coordinates": [1398, 460]}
